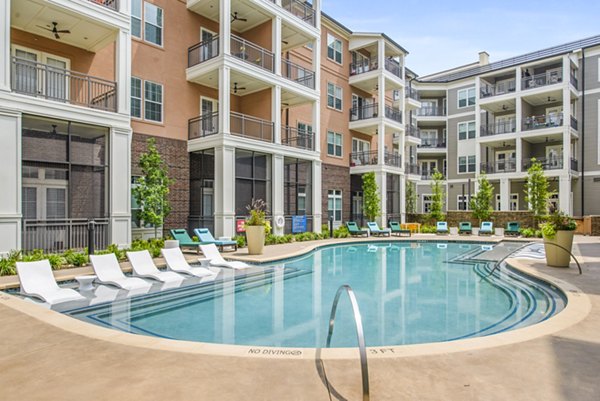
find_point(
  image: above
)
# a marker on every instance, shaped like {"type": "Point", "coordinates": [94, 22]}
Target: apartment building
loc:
{"type": "Point", "coordinates": [495, 118]}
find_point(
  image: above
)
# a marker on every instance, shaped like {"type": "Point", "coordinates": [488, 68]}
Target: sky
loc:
{"type": "Point", "coordinates": [444, 34]}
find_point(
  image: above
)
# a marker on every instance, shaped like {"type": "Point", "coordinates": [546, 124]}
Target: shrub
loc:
{"type": "Point", "coordinates": [426, 229]}
{"type": "Point", "coordinates": [241, 241]}
{"type": "Point", "coordinates": [530, 233]}
{"type": "Point", "coordinates": [76, 258]}
{"type": "Point", "coordinates": [341, 232]}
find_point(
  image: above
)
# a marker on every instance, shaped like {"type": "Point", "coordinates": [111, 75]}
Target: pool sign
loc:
{"type": "Point", "coordinates": [240, 226]}
{"type": "Point", "coordinates": [298, 224]}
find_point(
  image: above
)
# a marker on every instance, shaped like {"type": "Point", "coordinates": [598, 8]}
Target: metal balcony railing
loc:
{"type": "Point", "coordinates": [203, 51]}
{"type": "Point", "coordinates": [413, 131]}
{"type": "Point", "coordinates": [362, 66]}
{"type": "Point", "coordinates": [574, 164]}
{"type": "Point", "coordinates": [543, 121]}
{"type": "Point", "coordinates": [112, 4]}
{"type": "Point", "coordinates": [53, 83]}
{"type": "Point", "coordinates": [393, 66]}
{"type": "Point", "coordinates": [300, 9]}
{"type": "Point", "coordinates": [428, 174]}
{"type": "Point", "coordinates": [431, 111]}
{"type": "Point", "coordinates": [504, 166]}
{"type": "Point", "coordinates": [574, 123]}
{"type": "Point", "coordinates": [296, 138]}
{"type": "Point", "coordinates": [372, 158]}
{"type": "Point", "coordinates": [54, 236]}
{"type": "Point", "coordinates": [552, 163]}
{"type": "Point", "coordinates": [543, 79]}
{"type": "Point", "coordinates": [393, 114]}
{"type": "Point", "coordinates": [251, 53]}
{"type": "Point", "coordinates": [251, 127]}
{"type": "Point", "coordinates": [297, 73]}
{"type": "Point", "coordinates": [574, 81]}
{"type": "Point", "coordinates": [501, 127]}
{"type": "Point", "coordinates": [204, 125]}
{"type": "Point", "coordinates": [411, 168]}
{"type": "Point", "coordinates": [364, 112]}
{"type": "Point", "coordinates": [432, 143]}
{"type": "Point", "coordinates": [500, 88]}
{"type": "Point", "coordinates": [412, 93]}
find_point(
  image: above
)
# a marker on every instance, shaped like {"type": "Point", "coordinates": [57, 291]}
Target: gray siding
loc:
{"type": "Point", "coordinates": [590, 126]}
{"type": "Point", "coordinates": [453, 144]}
{"type": "Point", "coordinates": [453, 100]}
{"type": "Point", "coordinates": [591, 73]}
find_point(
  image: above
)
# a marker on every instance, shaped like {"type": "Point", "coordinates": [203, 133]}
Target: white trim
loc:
{"type": "Point", "coordinates": [162, 102]}
{"type": "Point", "coordinates": [336, 39]}
{"type": "Point", "coordinates": [334, 97]}
{"type": "Point", "coordinates": [423, 201]}
{"type": "Point", "coordinates": [162, 27]}
{"type": "Point", "coordinates": [467, 132]}
{"type": "Point", "coordinates": [467, 164]}
{"type": "Point", "coordinates": [458, 106]}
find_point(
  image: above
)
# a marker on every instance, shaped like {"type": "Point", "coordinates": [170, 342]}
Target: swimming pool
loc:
{"type": "Point", "coordinates": [408, 293]}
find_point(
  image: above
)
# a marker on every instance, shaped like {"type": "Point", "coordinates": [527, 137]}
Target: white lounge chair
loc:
{"type": "Point", "coordinates": [143, 266]}
{"type": "Point", "coordinates": [108, 271]}
{"type": "Point", "coordinates": [211, 252]}
{"type": "Point", "coordinates": [37, 280]}
{"type": "Point", "coordinates": [177, 263]}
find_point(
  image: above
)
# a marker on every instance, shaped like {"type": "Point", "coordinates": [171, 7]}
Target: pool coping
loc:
{"type": "Point", "coordinates": [577, 308]}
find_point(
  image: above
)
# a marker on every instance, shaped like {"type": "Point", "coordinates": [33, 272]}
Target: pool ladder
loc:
{"type": "Point", "coordinates": [359, 333]}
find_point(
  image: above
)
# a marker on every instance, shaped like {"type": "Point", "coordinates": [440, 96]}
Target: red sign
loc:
{"type": "Point", "coordinates": [240, 226]}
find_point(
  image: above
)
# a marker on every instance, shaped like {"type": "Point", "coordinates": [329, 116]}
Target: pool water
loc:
{"type": "Point", "coordinates": [408, 293]}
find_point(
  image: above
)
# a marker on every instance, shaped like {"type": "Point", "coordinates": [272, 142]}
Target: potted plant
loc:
{"type": "Point", "coordinates": [256, 226]}
{"type": "Point", "coordinates": [558, 229]}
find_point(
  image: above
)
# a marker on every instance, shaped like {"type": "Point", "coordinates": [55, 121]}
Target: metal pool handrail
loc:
{"type": "Point", "coordinates": [359, 333]}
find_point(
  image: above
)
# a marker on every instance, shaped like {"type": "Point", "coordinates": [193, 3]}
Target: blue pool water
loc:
{"type": "Point", "coordinates": [407, 293]}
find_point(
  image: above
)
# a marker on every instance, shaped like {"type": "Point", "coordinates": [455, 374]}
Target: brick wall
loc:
{"type": "Point", "coordinates": [174, 153]}
{"type": "Point", "coordinates": [499, 219]}
{"type": "Point", "coordinates": [336, 177]}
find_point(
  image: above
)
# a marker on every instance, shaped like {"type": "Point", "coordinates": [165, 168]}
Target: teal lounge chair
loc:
{"type": "Point", "coordinates": [398, 230]}
{"type": "Point", "coordinates": [512, 228]}
{"type": "Point", "coordinates": [442, 227]}
{"type": "Point", "coordinates": [375, 230]}
{"type": "Point", "coordinates": [184, 239]}
{"type": "Point", "coordinates": [487, 227]}
{"type": "Point", "coordinates": [354, 230]}
{"type": "Point", "coordinates": [206, 237]}
{"type": "Point", "coordinates": [464, 227]}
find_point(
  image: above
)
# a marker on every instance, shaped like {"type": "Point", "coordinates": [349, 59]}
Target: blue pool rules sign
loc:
{"type": "Point", "coordinates": [298, 224]}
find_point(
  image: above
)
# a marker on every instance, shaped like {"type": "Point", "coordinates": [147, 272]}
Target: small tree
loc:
{"type": "Point", "coordinates": [410, 197]}
{"type": "Point", "coordinates": [371, 199]}
{"type": "Point", "coordinates": [481, 202]}
{"type": "Point", "coordinates": [152, 188]}
{"type": "Point", "coordinates": [437, 197]}
{"type": "Point", "coordinates": [537, 191]}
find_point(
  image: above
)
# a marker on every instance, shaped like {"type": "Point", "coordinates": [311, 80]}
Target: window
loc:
{"type": "Point", "coordinates": [514, 202]}
{"type": "Point", "coordinates": [334, 205]}
{"type": "Point", "coordinates": [334, 49]}
{"type": "Point", "coordinates": [252, 179]}
{"type": "Point", "coordinates": [304, 139]}
{"type": "Point", "coordinates": [153, 22]}
{"type": "Point", "coordinates": [136, 18]}
{"type": "Point", "coordinates": [553, 202]}
{"type": "Point", "coordinates": [334, 144]}
{"type": "Point", "coordinates": [334, 96]}
{"type": "Point", "coordinates": [427, 201]}
{"type": "Point", "coordinates": [466, 164]}
{"type": "Point", "coordinates": [153, 101]}
{"type": "Point", "coordinates": [466, 97]}
{"type": "Point", "coordinates": [466, 130]}
{"type": "Point", "coordinates": [136, 97]}
{"type": "Point", "coordinates": [463, 202]}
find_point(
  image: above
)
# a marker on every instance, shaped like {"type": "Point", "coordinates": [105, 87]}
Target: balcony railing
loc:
{"type": "Point", "coordinates": [204, 125]}
{"type": "Point", "coordinates": [54, 236]}
{"type": "Point", "coordinates": [504, 166]}
{"type": "Point", "coordinates": [393, 66]}
{"type": "Point", "coordinates": [53, 83]}
{"type": "Point", "coordinates": [500, 88]}
{"type": "Point", "coordinates": [112, 4]}
{"type": "Point", "coordinates": [574, 81]}
{"type": "Point", "coordinates": [543, 121]}
{"type": "Point", "coordinates": [364, 112]}
{"type": "Point", "coordinates": [297, 73]}
{"type": "Point", "coordinates": [393, 114]}
{"type": "Point", "coordinates": [552, 163]}
{"type": "Point", "coordinates": [432, 143]}
{"type": "Point", "coordinates": [574, 164]}
{"type": "Point", "coordinates": [300, 9]}
{"type": "Point", "coordinates": [251, 127]}
{"type": "Point", "coordinates": [411, 168]}
{"type": "Point", "coordinates": [431, 111]}
{"type": "Point", "coordinates": [251, 53]}
{"type": "Point", "coordinates": [574, 123]}
{"type": "Point", "coordinates": [371, 158]}
{"type": "Point", "coordinates": [543, 79]}
{"type": "Point", "coordinates": [501, 127]}
{"type": "Point", "coordinates": [412, 93]}
{"type": "Point", "coordinates": [428, 174]}
{"type": "Point", "coordinates": [413, 131]}
{"type": "Point", "coordinates": [362, 66]}
{"type": "Point", "coordinates": [203, 51]}
{"type": "Point", "coordinates": [296, 138]}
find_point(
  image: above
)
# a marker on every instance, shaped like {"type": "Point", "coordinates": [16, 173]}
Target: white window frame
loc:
{"type": "Point", "coordinates": [162, 103]}
{"type": "Point", "coordinates": [554, 201]}
{"type": "Point", "coordinates": [335, 145]}
{"type": "Point", "coordinates": [141, 98]}
{"type": "Point", "coordinates": [41, 184]}
{"type": "Point", "coordinates": [427, 199]}
{"type": "Point", "coordinates": [469, 100]}
{"type": "Point", "coordinates": [42, 58]}
{"type": "Point", "coordinates": [332, 40]}
{"type": "Point", "coordinates": [466, 124]}
{"type": "Point", "coordinates": [332, 196]}
{"type": "Point", "coordinates": [334, 96]}
{"type": "Point", "coordinates": [466, 157]}
{"type": "Point", "coordinates": [138, 17]}
{"type": "Point", "coordinates": [161, 27]}
{"type": "Point", "coordinates": [466, 200]}
{"type": "Point", "coordinates": [514, 202]}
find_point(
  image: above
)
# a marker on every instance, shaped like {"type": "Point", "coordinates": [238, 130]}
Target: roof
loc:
{"type": "Point", "coordinates": [509, 62]}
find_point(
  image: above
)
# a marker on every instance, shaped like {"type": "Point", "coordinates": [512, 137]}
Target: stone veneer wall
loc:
{"type": "Point", "coordinates": [335, 177]}
{"type": "Point", "coordinates": [499, 219]}
{"type": "Point", "coordinates": [174, 153]}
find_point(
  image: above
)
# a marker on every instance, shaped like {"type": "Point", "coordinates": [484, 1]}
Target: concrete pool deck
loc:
{"type": "Point", "coordinates": [49, 356]}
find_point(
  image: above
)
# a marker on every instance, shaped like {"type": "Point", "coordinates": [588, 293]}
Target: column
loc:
{"type": "Point", "coordinates": [276, 112]}
{"type": "Point", "coordinates": [402, 198]}
{"type": "Point", "coordinates": [224, 26]}
{"type": "Point", "coordinates": [277, 188]}
{"type": "Point", "coordinates": [316, 125]}
{"type": "Point", "coordinates": [123, 71]}
{"type": "Point", "coordinates": [519, 154]}
{"type": "Point", "coordinates": [317, 8]}
{"type": "Point", "coordinates": [381, 179]}
{"type": "Point", "coordinates": [317, 196]}
{"type": "Point", "coordinates": [564, 193]}
{"type": "Point", "coordinates": [381, 115]}
{"type": "Point", "coordinates": [5, 60]}
{"type": "Point", "coordinates": [224, 189]}
{"type": "Point", "coordinates": [10, 176]}
{"type": "Point", "coordinates": [566, 92]}
{"type": "Point", "coordinates": [120, 186]}
{"type": "Point", "coordinates": [316, 61]}
{"type": "Point", "coordinates": [276, 44]}
{"type": "Point", "coordinates": [504, 194]}
{"type": "Point", "coordinates": [224, 99]}
{"type": "Point", "coordinates": [477, 127]}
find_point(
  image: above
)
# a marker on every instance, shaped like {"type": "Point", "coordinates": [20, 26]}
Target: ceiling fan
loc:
{"type": "Point", "coordinates": [234, 17]}
{"type": "Point", "coordinates": [504, 107]}
{"type": "Point", "coordinates": [236, 89]}
{"type": "Point", "coordinates": [550, 100]}
{"type": "Point", "coordinates": [54, 29]}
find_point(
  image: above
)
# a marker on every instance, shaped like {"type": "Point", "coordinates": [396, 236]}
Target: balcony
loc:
{"type": "Point", "coordinates": [411, 168]}
{"type": "Point", "coordinates": [301, 139]}
{"type": "Point", "coordinates": [60, 85]}
{"type": "Point", "coordinates": [203, 51]}
{"type": "Point", "coordinates": [298, 74]}
{"type": "Point", "coordinates": [364, 112]}
{"type": "Point", "coordinates": [362, 66]}
{"type": "Point", "coordinates": [574, 81]}
{"type": "Point", "coordinates": [501, 127]}
{"type": "Point", "coordinates": [300, 9]}
{"type": "Point", "coordinates": [543, 79]}
{"type": "Point", "coordinates": [112, 4]}
{"type": "Point", "coordinates": [543, 121]}
{"type": "Point", "coordinates": [412, 93]}
{"type": "Point", "coordinates": [500, 88]}
{"type": "Point", "coordinates": [413, 131]}
{"type": "Point", "coordinates": [428, 174]}
{"type": "Point", "coordinates": [394, 67]}
{"type": "Point", "coordinates": [552, 163]}
{"type": "Point", "coordinates": [431, 111]}
{"type": "Point", "coordinates": [251, 53]}
{"type": "Point", "coordinates": [432, 143]}
{"type": "Point", "coordinates": [504, 166]}
{"type": "Point", "coordinates": [393, 114]}
{"type": "Point", "coordinates": [574, 123]}
{"type": "Point", "coordinates": [370, 158]}
{"type": "Point", "coordinates": [240, 125]}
